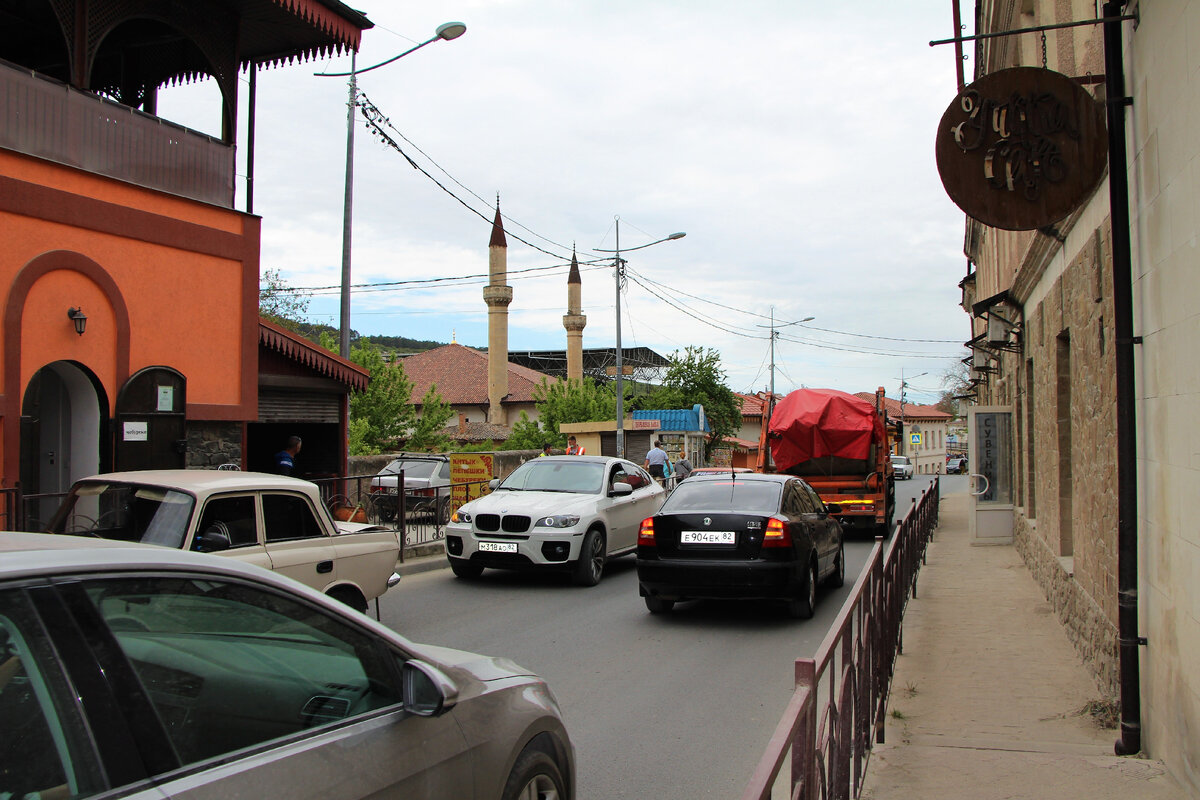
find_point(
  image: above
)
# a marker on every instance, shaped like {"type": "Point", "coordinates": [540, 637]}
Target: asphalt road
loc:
{"type": "Point", "coordinates": [674, 706]}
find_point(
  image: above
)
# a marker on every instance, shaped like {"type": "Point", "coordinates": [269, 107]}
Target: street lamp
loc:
{"type": "Point", "coordinates": [775, 335]}
{"type": "Point", "coordinates": [903, 384]}
{"type": "Point", "coordinates": [619, 273]}
{"type": "Point", "coordinates": [445, 31]}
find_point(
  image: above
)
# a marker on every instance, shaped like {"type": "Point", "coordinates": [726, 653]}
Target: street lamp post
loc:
{"type": "Point", "coordinates": [903, 443]}
{"type": "Point", "coordinates": [618, 274]}
{"type": "Point", "coordinates": [445, 31]}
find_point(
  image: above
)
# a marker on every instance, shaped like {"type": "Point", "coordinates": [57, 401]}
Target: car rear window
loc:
{"type": "Point", "coordinates": [730, 495]}
{"type": "Point", "coordinates": [413, 469]}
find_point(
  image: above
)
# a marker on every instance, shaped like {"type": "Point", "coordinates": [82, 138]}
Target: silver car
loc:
{"type": "Point", "coordinates": [568, 513]}
{"type": "Point", "coordinates": [903, 468]}
{"type": "Point", "coordinates": [149, 673]}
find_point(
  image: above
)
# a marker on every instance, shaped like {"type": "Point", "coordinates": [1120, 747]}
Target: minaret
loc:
{"type": "Point", "coordinates": [497, 296]}
{"type": "Point", "coordinates": [574, 321]}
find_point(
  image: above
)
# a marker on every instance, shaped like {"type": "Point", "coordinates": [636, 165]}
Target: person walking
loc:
{"type": "Point", "coordinates": [285, 460]}
{"type": "Point", "coordinates": [656, 463]}
{"type": "Point", "coordinates": [683, 467]}
{"type": "Point", "coordinates": [573, 448]}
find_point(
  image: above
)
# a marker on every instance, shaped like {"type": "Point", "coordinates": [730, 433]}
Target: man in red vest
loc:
{"type": "Point", "coordinates": [574, 449]}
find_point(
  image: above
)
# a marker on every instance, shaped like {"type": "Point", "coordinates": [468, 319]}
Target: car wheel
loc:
{"type": "Point", "coordinates": [465, 569]}
{"type": "Point", "coordinates": [659, 605]}
{"type": "Point", "coordinates": [444, 512]}
{"type": "Point", "coordinates": [535, 776]}
{"type": "Point", "coordinates": [838, 578]}
{"type": "Point", "coordinates": [590, 566]}
{"type": "Point", "coordinates": [387, 512]}
{"type": "Point", "coordinates": [351, 597]}
{"type": "Point", "coordinates": [802, 607]}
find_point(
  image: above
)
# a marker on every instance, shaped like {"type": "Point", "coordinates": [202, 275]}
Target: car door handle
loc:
{"type": "Point", "coordinates": [324, 566]}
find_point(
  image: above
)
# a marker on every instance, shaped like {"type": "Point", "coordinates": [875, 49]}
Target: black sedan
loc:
{"type": "Point", "coordinates": [740, 536]}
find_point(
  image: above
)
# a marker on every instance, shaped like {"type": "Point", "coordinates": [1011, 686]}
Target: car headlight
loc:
{"type": "Point", "coordinates": [461, 516]}
{"type": "Point", "coordinates": [557, 521]}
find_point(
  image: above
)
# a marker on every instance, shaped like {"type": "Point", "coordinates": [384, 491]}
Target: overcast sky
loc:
{"type": "Point", "coordinates": [792, 141]}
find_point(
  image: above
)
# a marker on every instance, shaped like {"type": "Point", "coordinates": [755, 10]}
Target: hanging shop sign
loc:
{"type": "Point", "coordinates": [1022, 148]}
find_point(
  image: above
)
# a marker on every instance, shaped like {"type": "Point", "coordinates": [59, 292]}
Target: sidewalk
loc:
{"type": "Point", "coordinates": [988, 697]}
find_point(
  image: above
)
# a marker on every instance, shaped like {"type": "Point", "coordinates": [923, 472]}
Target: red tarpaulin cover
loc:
{"type": "Point", "coordinates": [811, 423]}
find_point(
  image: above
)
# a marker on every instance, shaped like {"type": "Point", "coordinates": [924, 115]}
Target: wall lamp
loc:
{"type": "Point", "coordinates": [79, 318]}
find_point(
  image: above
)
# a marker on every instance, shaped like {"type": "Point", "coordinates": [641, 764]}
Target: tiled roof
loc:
{"type": "Point", "coordinates": [461, 375]}
{"type": "Point", "coordinates": [297, 348]}
{"type": "Point", "coordinates": [753, 404]}
{"type": "Point", "coordinates": [911, 410]}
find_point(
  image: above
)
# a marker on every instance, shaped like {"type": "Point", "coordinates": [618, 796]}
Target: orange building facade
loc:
{"type": "Point", "coordinates": [130, 314]}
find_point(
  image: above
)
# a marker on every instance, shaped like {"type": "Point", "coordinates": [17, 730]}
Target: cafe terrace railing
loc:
{"type": "Point", "coordinates": [836, 713]}
{"type": "Point", "coordinates": [351, 497]}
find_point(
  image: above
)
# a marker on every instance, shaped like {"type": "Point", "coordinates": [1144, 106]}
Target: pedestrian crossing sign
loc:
{"type": "Point", "coordinates": [914, 438]}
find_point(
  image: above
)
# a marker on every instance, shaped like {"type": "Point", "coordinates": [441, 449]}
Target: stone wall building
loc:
{"type": "Point", "coordinates": [1044, 307]}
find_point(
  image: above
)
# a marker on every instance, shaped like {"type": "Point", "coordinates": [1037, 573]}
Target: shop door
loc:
{"type": "Point", "coordinates": [150, 421]}
{"type": "Point", "coordinates": [991, 474]}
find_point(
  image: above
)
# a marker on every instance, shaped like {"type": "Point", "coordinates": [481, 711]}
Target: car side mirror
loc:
{"type": "Point", "coordinates": [493, 483]}
{"type": "Point", "coordinates": [213, 539]}
{"type": "Point", "coordinates": [427, 690]}
{"type": "Point", "coordinates": [620, 490]}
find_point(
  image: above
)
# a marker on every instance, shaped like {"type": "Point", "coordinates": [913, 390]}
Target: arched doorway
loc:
{"type": "Point", "coordinates": [63, 411]}
{"type": "Point", "coordinates": [151, 430]}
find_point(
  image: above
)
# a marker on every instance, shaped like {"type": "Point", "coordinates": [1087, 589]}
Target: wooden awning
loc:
{"type": "Point", "coordinates": [297, 348]}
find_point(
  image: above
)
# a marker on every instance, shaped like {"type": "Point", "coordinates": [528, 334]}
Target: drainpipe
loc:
{"type": "Point", "coordinates": [1127, 534]}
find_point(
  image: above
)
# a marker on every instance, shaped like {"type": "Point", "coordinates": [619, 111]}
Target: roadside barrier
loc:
{"type": "Point", "coordinates": [836, 713]}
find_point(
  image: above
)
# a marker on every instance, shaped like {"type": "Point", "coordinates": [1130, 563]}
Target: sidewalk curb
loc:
{"type": "Point", "coordinates": [422, 558]}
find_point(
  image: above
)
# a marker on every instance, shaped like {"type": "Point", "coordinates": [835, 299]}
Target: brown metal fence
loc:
{"type": "Point", "coordinates": [836, 713]}
{"type": "Point", "coordinates": [416, 526]}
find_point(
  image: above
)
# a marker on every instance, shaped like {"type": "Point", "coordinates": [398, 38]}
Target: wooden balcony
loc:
{"type": "Point", "coordinates": [48, 119]}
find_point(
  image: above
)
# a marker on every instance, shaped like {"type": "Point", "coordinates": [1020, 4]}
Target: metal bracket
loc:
{"type": "Point", "coordinates": [1037, 28]}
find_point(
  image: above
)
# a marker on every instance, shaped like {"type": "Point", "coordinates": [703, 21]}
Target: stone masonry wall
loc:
{"type": "Point", "coordinates": [1078, 571]}
{"type": "Point", "coordinates": [1094, 637]}
{"type": "Point", "coordinates": [210, 444]}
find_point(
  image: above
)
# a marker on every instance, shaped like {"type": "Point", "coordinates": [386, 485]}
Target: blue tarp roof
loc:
{"type": "Point", "coordinates": [678, 419]}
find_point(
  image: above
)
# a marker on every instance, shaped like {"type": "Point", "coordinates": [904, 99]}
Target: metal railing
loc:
{"type": "Point", "coordinates": [352, 497]}
{"type": "Point", "coordinates": [836, 713]}
{"type": "Point", "coordinates": [45, 118]}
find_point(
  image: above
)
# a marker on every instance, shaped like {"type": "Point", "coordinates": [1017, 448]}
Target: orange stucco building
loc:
{"type": "Point", "coordinates": [130, 316]}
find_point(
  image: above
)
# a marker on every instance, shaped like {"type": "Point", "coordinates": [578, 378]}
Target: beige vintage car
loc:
{"type": "Point", "coordinates": [275, 522]}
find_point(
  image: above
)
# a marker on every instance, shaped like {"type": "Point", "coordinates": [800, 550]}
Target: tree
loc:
{"type": "Point", "coordinates": [574, 400]}
{"type": "Point", "coordinates": [526, 435]}
{"type": "Point", "coordinates": [696, 376]}
{"type": "Point", "coordinates": [382, 414]}
{"type": "Point", "coordinates": [956, 381]}
{"type": "Point", "coordinates": [428, 431]}
{"type": "Point", "coordinates": [279, 302]}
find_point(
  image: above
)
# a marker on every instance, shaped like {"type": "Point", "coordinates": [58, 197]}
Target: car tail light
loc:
{"type": "Point", "coordinates": [646, 533]}
{"type": "Point", "coordinates": [777, 534]}
{"type": "Point", "coordinates": [375, 487]}
{"type": "Point", "coordinates": [423, 492]}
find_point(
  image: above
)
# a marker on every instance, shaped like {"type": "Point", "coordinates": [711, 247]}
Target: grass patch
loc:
{"type": "Point", "coordinates": [898, 714]}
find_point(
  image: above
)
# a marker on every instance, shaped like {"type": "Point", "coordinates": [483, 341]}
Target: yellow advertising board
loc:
{"type": "Point", "coordinates": [469, 476]}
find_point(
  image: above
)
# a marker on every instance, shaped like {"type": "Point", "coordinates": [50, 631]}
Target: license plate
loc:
{"type": "Point", "coordinates": [708, 537]}
{"type": "Point", "coordinates": [391, 490]}
{"type": "Point", "coordinates": [497, 547]}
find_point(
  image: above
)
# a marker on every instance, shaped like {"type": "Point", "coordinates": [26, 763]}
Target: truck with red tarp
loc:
{"type": "Point", "coordinates": [838, 443]}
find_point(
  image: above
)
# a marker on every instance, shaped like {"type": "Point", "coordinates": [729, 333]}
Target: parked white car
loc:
{"type": "Point", "coordinates": [556, 512]}
{"type": "Point", "coordinates": [273, 521]}
{"type": "Point", "coordinates": [903, 468]}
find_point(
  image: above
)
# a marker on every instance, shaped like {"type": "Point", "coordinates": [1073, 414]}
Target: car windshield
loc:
{"type": "Point", "coordinates": [755, 497]}
{"type": "Point", "coordinates": [126, 512]}
{"type": "Point", "coordinates": [557, 475]}
{"type": "Point", "coordinates": [413, 468]}
{"type": "Point", "coordinates": [899, 459]}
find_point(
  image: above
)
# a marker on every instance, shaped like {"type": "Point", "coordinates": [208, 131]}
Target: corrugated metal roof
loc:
{"type": "Point", "coordinates": [676, 419]}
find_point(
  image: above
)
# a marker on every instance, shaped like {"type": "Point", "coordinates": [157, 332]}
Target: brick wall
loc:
{"type": "Point", "coordinates": [210, 444]}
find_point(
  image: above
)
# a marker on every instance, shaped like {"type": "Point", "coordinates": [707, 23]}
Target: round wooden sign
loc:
{"type": "Point", "coordinates": [1022, 148]}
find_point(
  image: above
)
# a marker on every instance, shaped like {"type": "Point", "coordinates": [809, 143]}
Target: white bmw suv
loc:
{"type": "Point", "coordinates": [556, 512]}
